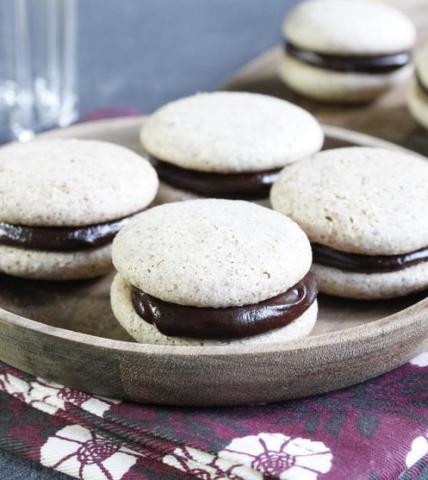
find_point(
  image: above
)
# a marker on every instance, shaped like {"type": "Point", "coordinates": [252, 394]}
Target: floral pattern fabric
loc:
{"type": "Point", "coordinates": [377, 430]}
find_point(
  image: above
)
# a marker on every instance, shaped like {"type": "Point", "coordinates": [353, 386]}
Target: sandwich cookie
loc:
{"type": "Point", "coordinates": [63, 201]}
{"type": "Point", "coordinates": [213, 272]}
{"type": "Point", "coordinates": [346, 52]}
{"type": "Point", "coordinates": [365, 213]}
{"type": "Point", "coordinates": [417, 96]}
{"type": "Point", "coordinates": [226, 144]}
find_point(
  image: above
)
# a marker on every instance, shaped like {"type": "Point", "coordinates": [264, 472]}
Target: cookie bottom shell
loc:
{"type": "Point", "coordinates": [370, 286]}
{"type": "Point", "coordinates": [167, 194]}
{"type": "Point", "coordinates": [144, 332]}
{"type": "Point", "coordinates": [338, 87]}
{"type": "Point", "coordinates": [41, 265]}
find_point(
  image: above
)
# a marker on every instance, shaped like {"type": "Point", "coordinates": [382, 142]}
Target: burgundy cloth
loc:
{"type": "Point", "coordinates": [377, 430]}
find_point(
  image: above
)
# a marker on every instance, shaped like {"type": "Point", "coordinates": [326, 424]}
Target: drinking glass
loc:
{"type": "Point", "coordinates": [37, 66]}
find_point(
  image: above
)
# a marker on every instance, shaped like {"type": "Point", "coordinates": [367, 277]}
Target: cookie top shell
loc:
{"type": "Point", "coordinates": [361, 200]}
{"type": "Point", "coordinates": [357, 27]}
{"type": "Point", "coordinates": [71, 182]}
{"type": "Point", "coordinates": [229, 132]}
{"type": "Point", "coordinates": [212, 253]}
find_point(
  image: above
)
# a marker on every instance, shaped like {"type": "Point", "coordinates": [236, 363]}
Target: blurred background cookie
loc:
{"type": "Point", "coordinates": [346, 51]}
{"type": "Point", "coordinates": [417, 96]}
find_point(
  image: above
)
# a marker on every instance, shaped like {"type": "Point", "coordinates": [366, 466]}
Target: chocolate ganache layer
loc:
{"type": "Point", "coordinates": [350, 63]}
{"type": "Point", "coordinates": [61, 238]}
{"type": "Point", "coordinates": [226, 323]}
{"type": "Point", "coordinates": [366, 263]}
{"type": "Point", "coordinates": [244, 186]}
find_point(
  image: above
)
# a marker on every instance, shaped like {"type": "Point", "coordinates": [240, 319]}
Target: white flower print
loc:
{"type": "Point", "coordinates": [421, 360]}
{"type": "Point", "coordinates": [418, 450]}
{"type": "Point", "coordinates": [80, 453]}
{"type": "Point", "coordinates": [51, 397]}
{"type": "Point", "coordinates": [205, 466]}
{"type": "Point", "coordinates": [255, 456]}
{"type": "Point", "coordinates": [58, 396]}
{"type": "Point", "coordinates": [280, 456]}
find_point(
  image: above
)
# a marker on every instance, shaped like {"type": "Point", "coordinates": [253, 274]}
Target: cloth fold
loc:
{"type": "Point", "coordinates": [375, 430]}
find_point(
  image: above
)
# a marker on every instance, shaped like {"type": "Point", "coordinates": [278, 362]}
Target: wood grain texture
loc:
{"type": "Point", "coordinates": [386, 118]}
{"type": "Point", "coordinates": [67, 333]}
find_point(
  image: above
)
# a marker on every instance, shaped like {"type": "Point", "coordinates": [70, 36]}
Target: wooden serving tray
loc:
{"type": "Point", "coordinates": [66, 332]}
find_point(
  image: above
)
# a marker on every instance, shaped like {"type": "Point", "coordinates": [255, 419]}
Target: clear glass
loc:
{"type": "Point", "coordinates": [37, 66]}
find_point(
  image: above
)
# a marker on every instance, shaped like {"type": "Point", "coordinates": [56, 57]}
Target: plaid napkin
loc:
{"type": "Point", "coordinates": [377, 430]}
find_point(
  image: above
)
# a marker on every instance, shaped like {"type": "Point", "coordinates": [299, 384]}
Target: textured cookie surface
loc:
{"type": "Point", "coordinates": [212, 253]}
{"type": "Point", "coordinates": [374, 285]}
{"type": "Point", "coordinates": [361, 200]}
{"type": "Point", "coordinates": [72, 182]}
{"type": "Point", "coordinates": [145, 333]}
{"type": "Point", "coordinates": [41, 265]}
{"type": "Point", "coordinates": [363, 27]}
{"type": "Point", "coordinates": [231, 132]}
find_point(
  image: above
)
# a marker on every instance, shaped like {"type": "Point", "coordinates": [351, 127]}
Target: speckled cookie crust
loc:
{"type": "Point", "coordinates": [212, 253]}
{"type": "Point", "coordinates": [361, 200]}
{"type": "Point", "coordinates": [230, 132]}
{"type": "Point", "coordinates": [72, 183]}
{"type": "Point", "coordinates": [145, 333]}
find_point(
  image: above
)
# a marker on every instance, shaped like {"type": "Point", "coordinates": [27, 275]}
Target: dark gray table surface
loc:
{"type": "Point", "coordinates": [143, 53]}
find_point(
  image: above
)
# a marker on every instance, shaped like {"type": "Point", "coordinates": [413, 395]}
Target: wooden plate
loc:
{"type": "Point", "coordinates": [66, 333]}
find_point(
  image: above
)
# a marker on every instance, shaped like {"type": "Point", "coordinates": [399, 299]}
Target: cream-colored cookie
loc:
{"type": "Point", "coordinates": [361, 200]}
{"type": "Point", "coordinates": [212, 253]}
{"type": "Point", "coordinates": [371, 285]}
{"type": "Point", "coordinates": [417, 95]}
{"type": "Point", "coordinates": [168, 193]}
{"type": "Point", "coordinates": [72, 183]}
{"type": "Point", "coordinates": [42, 265]}
{"type": "Point", "coordinates": [335, 86]}
{"type": "Point", "coordinates": [229, 132]}
{"type": "Point", "coordinates": [146, 333]}
{"type": "Point", "coordinates": [331, 43]}
{"type": "Point", "coordinates": [358, 27]}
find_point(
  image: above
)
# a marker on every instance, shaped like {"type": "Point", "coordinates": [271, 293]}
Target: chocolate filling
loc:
{"type": "Point", "coordinates": [350, 63]}
{"type": "Point", "coordinates": [61, 238]}
{"type": "Point", "coordinates": [244, 186]}
{"type": "Point", "coordinates": [366, 263]}
{"type": "Point", "coordinates": [226, 323]}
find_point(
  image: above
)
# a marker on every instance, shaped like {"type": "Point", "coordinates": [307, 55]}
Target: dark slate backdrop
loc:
{"type": "Point", "coordinates": [143, 53]}
{"type": "Point", "coordinates": [146, 52]}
